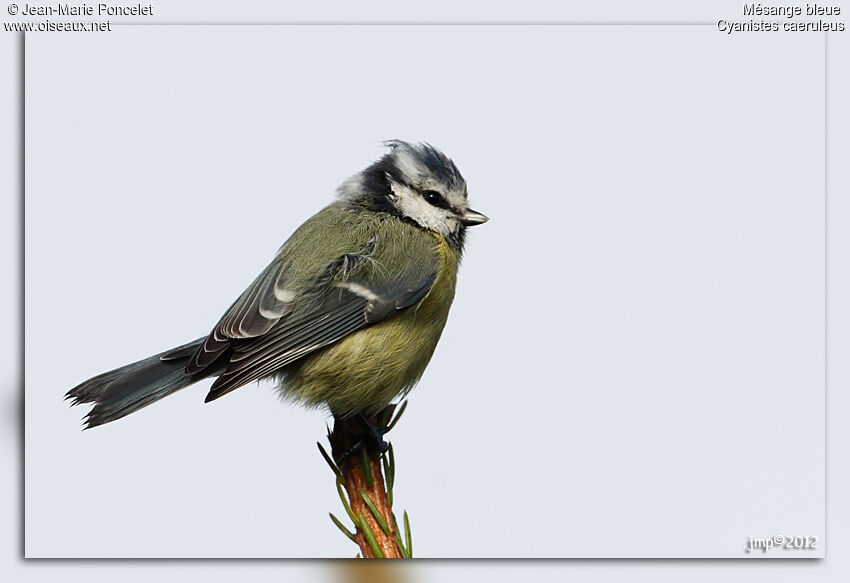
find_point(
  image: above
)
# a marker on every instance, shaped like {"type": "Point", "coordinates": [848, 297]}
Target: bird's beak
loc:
{"type": "Point", "coordinates": [471, 218]}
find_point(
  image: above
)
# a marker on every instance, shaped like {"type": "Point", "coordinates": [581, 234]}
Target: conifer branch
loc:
{"type": "Point", "coordinates": [365, 485]}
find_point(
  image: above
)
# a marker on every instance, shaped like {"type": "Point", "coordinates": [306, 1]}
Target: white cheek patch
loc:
{"type": "Point", "coordinates": [413, 206]}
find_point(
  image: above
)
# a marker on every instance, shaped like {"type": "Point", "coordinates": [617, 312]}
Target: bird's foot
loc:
{"type": "Point", "coordinates": [373, 437]}
{"type": "Point", "coordinates": [358, 433]}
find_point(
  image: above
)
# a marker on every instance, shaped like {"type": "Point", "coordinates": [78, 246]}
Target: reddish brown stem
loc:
{"type": "Point", "coordinates": [357, 479]}
{"type": "Point", "coordinates": [355, 483]}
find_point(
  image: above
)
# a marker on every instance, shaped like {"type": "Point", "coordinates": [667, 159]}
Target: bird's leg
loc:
{"type": "Point", "coordinates": [359, 431]}
{"type": "Point", "coordinates": [369, 437]}
{"type": "Point", "coordinates": [339, 458]}
{"type": "Point", "coordinates": [373, 438]}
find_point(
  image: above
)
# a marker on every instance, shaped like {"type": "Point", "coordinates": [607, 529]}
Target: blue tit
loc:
{"type": "Point", "coordinates": [348, 313]}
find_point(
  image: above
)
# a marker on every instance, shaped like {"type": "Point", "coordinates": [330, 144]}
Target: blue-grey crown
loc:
{"type": "Point", "coordinates": [439, 166]}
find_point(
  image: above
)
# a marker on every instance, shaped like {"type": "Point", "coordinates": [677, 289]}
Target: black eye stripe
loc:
{"type": "Point", "coordinates": [434, 198]}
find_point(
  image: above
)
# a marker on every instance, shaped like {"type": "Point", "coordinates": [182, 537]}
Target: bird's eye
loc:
{"type": "Point", "coordinates": [434, 198]}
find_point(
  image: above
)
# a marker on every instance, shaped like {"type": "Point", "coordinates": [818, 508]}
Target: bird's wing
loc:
{"type": "Point", "coordinates": [270, 327]}
{"type": "Point", "coordinates": [253, 314]}
{"type": "Point", "coordinates": [349, 310]}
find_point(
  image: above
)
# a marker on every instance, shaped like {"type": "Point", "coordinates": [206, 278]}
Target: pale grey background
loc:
{"type": "Point", "coordinates": [838, 317]}
{"type": "Point", "coordinates": [634, 363]}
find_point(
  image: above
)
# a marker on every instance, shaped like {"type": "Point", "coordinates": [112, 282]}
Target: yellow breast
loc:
{"type": "Point", "coordinates": [369, 368]}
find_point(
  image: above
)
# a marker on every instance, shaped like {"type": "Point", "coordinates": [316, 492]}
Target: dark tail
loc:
{"type": "Point", "coordinates": [121, 391]}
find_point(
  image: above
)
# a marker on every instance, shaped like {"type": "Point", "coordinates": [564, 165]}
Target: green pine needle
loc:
{"type": "Point", "coordinates": [391, 465]}
{"type": "Point", "coordinates": [375, 512]}
{"type": "Point", "coordinates": [404, 552]}
{"type": "Point", "coordinates": [367, 467]}
{"type": "Point", "coordinates": [330, 462]}
{"type": "Point", "coordinates": [397, 416]}
{"type": "Point", "coordinates": [341, 527]}
{"type": "Point", "coordinates": [345, 503]}
{"type": "Point", "coordinates": [370, 537]}
{"type": "Point", "coordinates": [408, 537]}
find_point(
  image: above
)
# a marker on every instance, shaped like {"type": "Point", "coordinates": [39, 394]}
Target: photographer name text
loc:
{"type": "Point", "coordinates": [86, 10]}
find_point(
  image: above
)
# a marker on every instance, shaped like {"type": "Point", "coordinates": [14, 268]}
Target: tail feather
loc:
{"type": "Point", "coordinates": [127, 389]}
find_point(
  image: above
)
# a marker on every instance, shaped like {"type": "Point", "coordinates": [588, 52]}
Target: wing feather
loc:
{"type": "Point", "coordinates": [253, 359]}
{"type": "Point", "coordinates": [260, 307]}
{"type": "Point", "coordinates": [251, 363]}
{"type": "Point", "coordinates": [291, 311]}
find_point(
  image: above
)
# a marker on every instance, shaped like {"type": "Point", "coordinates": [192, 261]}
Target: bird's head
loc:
{"type": "Point", "coordinates": [419, 184]}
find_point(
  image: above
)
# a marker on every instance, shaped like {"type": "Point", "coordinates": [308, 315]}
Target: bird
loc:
{"type": "Point", "coordinates": [347, 314]}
